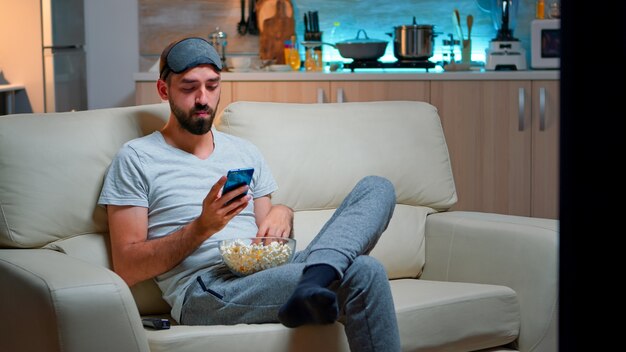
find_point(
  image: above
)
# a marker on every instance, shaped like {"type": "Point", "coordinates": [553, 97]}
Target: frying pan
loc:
{"type": "Point", "coordinates": [357, 48]}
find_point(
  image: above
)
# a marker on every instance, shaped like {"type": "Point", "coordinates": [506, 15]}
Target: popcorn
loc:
{"type": "Point", "coordinates": [246, 258]}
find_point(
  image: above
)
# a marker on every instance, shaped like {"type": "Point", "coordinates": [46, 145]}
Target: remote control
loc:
{"type": "Point", "coordinates": [156, 323]}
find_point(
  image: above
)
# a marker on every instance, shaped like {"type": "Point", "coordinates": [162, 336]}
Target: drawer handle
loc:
{"type": "Point", "coordinates": [542, 109]}
{"type": "Point", "coordinates": [320, 95]}
{"type": "Point", "coordinates": [520, 109]}
{"type": "Point", "coordinates": [340, 95]}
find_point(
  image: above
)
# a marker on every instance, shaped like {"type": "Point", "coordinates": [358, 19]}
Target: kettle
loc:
{"type": "Point", "coordinates": [218, 40]}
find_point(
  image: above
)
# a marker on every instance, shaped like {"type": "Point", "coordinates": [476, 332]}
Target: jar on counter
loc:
{"type": "Point", "coordinates": [555, 9]}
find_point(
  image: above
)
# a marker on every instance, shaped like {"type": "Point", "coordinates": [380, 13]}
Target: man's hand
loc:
{"type": "Point", "coordinates": [216, 211]}
{"type": "Point", "coordinates": [277, 223]}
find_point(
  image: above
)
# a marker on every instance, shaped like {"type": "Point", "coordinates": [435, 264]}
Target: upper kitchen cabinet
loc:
{"type": "Point", "coordinates": [503, 142]}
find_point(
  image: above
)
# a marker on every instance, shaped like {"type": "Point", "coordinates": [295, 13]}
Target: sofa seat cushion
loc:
{"type": "Point", "coordinates": [432, 315]}
{"type": "Point", "coordinates": [456, 316]}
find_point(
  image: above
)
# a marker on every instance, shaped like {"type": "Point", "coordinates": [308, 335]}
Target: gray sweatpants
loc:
{"type": "Point", "coordinates": [363, 292]}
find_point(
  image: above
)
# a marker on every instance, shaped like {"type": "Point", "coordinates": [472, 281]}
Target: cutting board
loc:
{"type": "Point", "coordinates": [276, 25]}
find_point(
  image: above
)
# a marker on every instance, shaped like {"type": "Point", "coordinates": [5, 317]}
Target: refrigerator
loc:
{"type": "Point", "coordinates": [64, 57]}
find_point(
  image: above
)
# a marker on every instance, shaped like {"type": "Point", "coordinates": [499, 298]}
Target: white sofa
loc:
{"type": "Point", "coordinates": [462, 281]}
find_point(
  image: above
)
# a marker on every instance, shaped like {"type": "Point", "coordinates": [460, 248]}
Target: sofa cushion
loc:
{"type": "Point", "coordinates": [400, 249]}
{"type": "Point", "coordinates": [459, 316]}
{"type": "Point", "coordinates": [51, 173]}
{"type": "Point", "coordinates": [433, 316]}
{"type": "Point", "coordinates": [318, 152]}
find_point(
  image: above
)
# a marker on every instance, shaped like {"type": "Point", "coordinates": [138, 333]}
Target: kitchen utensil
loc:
{"type": "Point", "coordinates": [456, 18]}
{"type": "Point", "coordinates": [361, 48]}
{"type": "Point", "coordinates": [239, 63]}
{"type": "Point", "coordinates": [276, 30]}
{"type": "Point", "coordinates": [413, 41]}
{"type": "Point", "coordinates": [242, 26]}
{"type": "Point", "coordinates": [267, 8]}
{"type": "Point", "coordinates": [253, 27]}
{"type": "Point", "coordinates": [466, 50]}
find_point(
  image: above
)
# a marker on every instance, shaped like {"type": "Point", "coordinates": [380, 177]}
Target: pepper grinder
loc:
{"type": "Point", "coordinates": [218, 40]}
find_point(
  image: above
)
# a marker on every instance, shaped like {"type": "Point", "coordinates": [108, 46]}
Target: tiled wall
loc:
{"type": "Point", "coordinates": [160, 21]}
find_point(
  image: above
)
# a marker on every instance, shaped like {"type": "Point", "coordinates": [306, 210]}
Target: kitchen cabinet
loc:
{"type": "Point", "coordinates": [281, 91]}
{"type": "Point", "coordinates": [503, 143]}
{"type": "Point", "coordinates": [545, 149]}
{"type": "Point", "coordinates": [146, 93]}
{"type": "Point", "coordinates": [353, 91]}
{"type": "Point", "coordinates": [330, 91]}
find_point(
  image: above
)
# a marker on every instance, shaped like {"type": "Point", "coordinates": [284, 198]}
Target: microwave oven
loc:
{"type": "Point", "coordinates": [545, 44]}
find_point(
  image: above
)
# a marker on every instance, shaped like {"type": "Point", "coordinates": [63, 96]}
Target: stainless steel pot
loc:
{"type": "Point", "coordinates": [361, 48]}
{"type": "Point", "coordinates": [413, 41]}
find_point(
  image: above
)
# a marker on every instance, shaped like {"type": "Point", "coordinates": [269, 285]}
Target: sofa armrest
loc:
{"type": "Point", "coordinates": [514, 251]}
{"type": "Point", "coordinates": [54, 302]}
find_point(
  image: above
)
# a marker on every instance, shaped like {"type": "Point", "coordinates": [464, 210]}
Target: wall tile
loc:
{"type": "Point", "coordinates": [162, 21]}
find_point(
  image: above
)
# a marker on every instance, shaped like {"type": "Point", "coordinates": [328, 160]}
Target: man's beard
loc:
{"type": "Point", "coordinates": [190, 122]}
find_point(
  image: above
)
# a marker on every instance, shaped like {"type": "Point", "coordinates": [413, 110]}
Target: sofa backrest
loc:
{"type": "Point", "coordinates": [318, 152]}
{"type": "Point", "coordinates": [52, 166]}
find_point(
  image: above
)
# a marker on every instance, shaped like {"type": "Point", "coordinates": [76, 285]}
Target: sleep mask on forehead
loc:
{"type": "Point", "coordinates": [188, 53]}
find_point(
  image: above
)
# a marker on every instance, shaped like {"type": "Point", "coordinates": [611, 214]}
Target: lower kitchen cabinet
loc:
{"type": "Point", "coordinates": [146, 93]}
{"type": "Point", "coordinates": [281, 91]}
{"type": "Point", "coordinates": [545, 149]}
{"type": "Point", "coordinates": [504, 158]}
{"type": "Point", "coordinates": [353, 91]}
{"type": "Point", "coordinates": [330, 91]}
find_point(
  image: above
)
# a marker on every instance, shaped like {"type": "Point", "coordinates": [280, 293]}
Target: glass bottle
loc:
{"type": "Point", "coordinates": [540, 10]}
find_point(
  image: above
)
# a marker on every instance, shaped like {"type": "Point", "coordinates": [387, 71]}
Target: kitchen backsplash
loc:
{"type": "Point", "coordinates": [161, 21]}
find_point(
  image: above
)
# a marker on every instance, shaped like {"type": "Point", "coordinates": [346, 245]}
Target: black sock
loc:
{"type": "Point", "coordinates": [321, 275]}
{"type": "Point", "coordinates": [311, 302]}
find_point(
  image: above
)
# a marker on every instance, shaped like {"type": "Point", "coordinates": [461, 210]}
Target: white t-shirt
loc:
{"type": "Point", "coordinates": [171, 183]}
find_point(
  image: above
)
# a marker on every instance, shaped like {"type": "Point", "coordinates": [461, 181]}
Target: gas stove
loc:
{"type": "Point", "coordinates": [376, 64]}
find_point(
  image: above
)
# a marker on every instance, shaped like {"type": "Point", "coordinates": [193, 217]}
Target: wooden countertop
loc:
{"type": "Point", "coordinates": [376, 75]}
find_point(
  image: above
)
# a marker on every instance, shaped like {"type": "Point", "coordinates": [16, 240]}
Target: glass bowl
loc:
{"type": "Point", "coordinates": [245, 256]}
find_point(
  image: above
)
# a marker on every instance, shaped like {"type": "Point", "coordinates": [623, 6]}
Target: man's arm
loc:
{"type": "Point", "coordinates": [135, 258]}
{"type": "Point", "coordinates": [272, 220]}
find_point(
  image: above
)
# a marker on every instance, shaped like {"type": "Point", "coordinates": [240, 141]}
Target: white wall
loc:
{"type": "Point", "coordinates": [112, 40]}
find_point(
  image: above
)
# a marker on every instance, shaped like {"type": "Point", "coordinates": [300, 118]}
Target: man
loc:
{"type": "Point", "coordinates": [166, 213]}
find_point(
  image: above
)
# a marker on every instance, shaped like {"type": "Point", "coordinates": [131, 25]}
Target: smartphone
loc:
{"type": "Point", "coordinates": [237, 178]}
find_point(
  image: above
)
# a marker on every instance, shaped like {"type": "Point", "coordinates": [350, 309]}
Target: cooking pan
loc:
{"type": "Point", "coordinates": [362, 48]}
{"type": "Point", "coordinates": [413, 41]}
{"type": "Point", "coordinates": [357, 48]}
